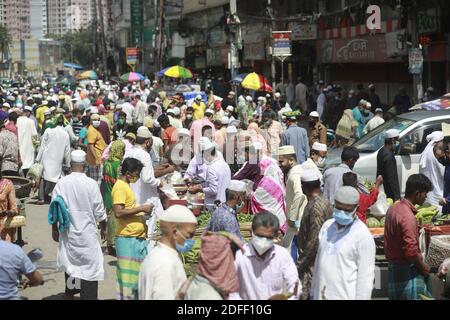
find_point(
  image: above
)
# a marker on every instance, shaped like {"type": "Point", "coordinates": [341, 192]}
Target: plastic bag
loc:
{"type": "Point", "coordinates": [35, 171]}
{"type": "Point", "coordinates": [380, 208]}
{"type": "Point", "coordinates": [444, 268]}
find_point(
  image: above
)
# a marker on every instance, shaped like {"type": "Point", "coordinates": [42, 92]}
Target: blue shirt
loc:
{"type": "Point", "coordinates": [357, 115]}
{"type": "Point", "coordinates": [297, 137]}
{"type": "Point", "coordinates": [83, 135]}
{"type": "Point", "coordinates": [224, 219]}
{"type": "Point", "coordinates": [13, 262]}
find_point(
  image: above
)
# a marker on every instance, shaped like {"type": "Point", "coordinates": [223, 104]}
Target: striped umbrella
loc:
{"type": "Point", "coordinates": [132, 77]}
{"type": "Point", "coordinates": [239, 78]}
{"type": "Point", "coordinates": [88, 75]}
{"type": "Point", "coordinates": [256, 82]}
{"type": "Point", "coordinates": [176, 72]}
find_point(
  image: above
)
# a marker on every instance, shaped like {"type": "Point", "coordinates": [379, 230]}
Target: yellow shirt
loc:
{"type": "Point", "coordinates": [95, 137]}
{"type": "Point", "coordinates": [199, 110]}
{"type": "Point", "coordinates": [130, 226]}
{"type": "Point", "coordinates": [40, 117]}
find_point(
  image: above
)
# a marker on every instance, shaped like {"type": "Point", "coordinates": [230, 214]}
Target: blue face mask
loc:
{"type": "Point", "coordinates": [239, 207]}
{"type": "Point", "coordinates": [186, 247]}
{"type": "Point", "coordinates": [297, 224]}
{"type": "Point", "coordinates": [342, 217]}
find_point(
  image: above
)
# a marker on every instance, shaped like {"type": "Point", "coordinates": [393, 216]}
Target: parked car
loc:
{"type": "Point", "coordinates": [414, 128]}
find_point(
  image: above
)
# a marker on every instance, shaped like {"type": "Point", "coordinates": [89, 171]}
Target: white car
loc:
{"type": "Point", "coordinates": [414, 128]}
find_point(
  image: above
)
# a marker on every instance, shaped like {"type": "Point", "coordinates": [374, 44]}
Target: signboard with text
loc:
{"type": "Point", "coordinates": [281, 43]}
{"type": "Point", "coordinates": [132, 56]}
{"type": "Point", "coordinates": [415, 61]}
{"type": "Point", "coordinates": [137, 21]}
{"type": "Point", "coordinates": [303, 31]}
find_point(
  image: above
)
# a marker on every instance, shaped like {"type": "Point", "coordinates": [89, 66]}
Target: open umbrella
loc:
{"type": "Point", "coordinates": [256, 82]}
{"type": "Point", "coordinates": [239, 78]}
{"type": "Point", "coordinates": [176, 72]}
{"type": "Point", "coordinates": [88, 75]}
{"type": "Point", "coordinates": [73, 66]}
{"type": "Point", "coordinates": [132, 77]}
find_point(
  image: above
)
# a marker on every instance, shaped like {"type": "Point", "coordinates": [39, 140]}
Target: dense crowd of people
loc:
{"type": "Point", "coordinates": [106, 157]}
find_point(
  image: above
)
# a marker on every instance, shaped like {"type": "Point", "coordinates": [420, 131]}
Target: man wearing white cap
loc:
{"type": "Point", "coordinates": [146, 187]}
{"type": "Point", "coordinates": [317, 158]}
{"type": "Point", "coordinates": [224, 217]}
{"type": "Point", "coordinates": [199, 108]}
{"type": "Point", "coordinates": [295, 198]}
{"type": "Point", "coordinates": [54, 154]}
{"type": "Point", "coordinates": [318, 131]}
{"type": "Point", "coordinates": [140, 110]}
{"type": "Point", "coordinates": [345, 262]}
{"type": "Point", "coordinates": [218, 175]}
{"type": "Point", "coordinates": [317, 211]}
{"type": "Point", "coordinates": [162, 273]}
{"type": "Point", "coordinates": [387, 165]}
{"type": "Point", "coordinates": [128, 108]}
{"type": "Point", "coordinates": [375, 122]}
{"type": "Point", "coordinates": [176, 122]}
{"type": "Point", "coordinates": [95, 148]}
{"type": "Point", "coordinates": [82, 264]}
{"type": "Point", "coordinates": [229, 112]}
{"type": "Point", "coordinates": [27, 133]}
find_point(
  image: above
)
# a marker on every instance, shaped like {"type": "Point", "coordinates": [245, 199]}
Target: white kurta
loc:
{"type": "Point", "coordinates": [373, 123]}
{"type": "Point", "coordinates": [54, 153]}
{"type": "Point", "coordinates": [345, 263]}
{"type": "Point", "coordinates": [27, 130]}
{"type": "Point", "coordinates": [79, 251]}
{"type": "Point", "coordinates": [161, 274]}
{"type": "Point", "coordinates": [434, 170]}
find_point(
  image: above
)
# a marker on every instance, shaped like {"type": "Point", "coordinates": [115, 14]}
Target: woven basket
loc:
{"type": "Point", "coordinates": [15, 222]}
{"type": "Point", "coordinates": [22, 186]}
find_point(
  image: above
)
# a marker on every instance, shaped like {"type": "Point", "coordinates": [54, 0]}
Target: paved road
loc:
{"type": "Point", "coordinates": [38, 235]}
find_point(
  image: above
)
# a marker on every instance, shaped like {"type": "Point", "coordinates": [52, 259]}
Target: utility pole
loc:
{"type": "Point", "coordinates": [103, 42]}
{"type": "Point", "coordinates": [94, 25]}
{"type": "Point", "coordinates": [158, 57]}
{"type": "Point", "coordinates": [417, 78]}
{"type": "Point", "coordinates": [272, 28]}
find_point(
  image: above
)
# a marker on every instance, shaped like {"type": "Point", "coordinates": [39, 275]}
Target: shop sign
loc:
{"type": "Point", "coordinates": [303, 31]}
{"type": "Point", "coordinates": [415, 61]}
{"type": "Point", "coordinates": [428, 21]}
{"type": "Point", "coordinates": [281, 43]}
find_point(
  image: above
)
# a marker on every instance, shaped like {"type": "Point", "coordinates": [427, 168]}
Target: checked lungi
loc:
{"type": "Point", "coordinates": [406, 283]}
{"type": "Point", "coordinates": [96, 173]}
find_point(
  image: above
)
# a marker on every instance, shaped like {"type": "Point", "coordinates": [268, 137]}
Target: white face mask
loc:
{"type": "Point", "coordinates": [261, 245]}
{"type": "Point", "coordinates": [321, 161]}
{"type": "Point", "coordinates": [96, 123]}
{"type": "Point", "coordinates": [189, 116]}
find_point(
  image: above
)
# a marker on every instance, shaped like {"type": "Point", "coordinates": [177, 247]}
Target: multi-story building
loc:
{"type": "Point", "coordinates": [68, 15]}
{"type": "Point", "coordinates": [15, 15]}
{"type": "Point", "coordinates": [38, 13]}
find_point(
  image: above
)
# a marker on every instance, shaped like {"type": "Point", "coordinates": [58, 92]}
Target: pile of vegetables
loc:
{"type": "Point", "coordinates": [426, 213]}
{"type": "Point", "coordinates": [295, 113]}
{"type": "Point", "coordinates": [373, 222]}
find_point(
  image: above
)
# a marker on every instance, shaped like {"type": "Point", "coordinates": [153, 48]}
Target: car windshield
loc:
{"type": "Point", "coordinates": [374, 140]}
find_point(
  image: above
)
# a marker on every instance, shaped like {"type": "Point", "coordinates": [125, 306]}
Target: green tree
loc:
{"type": "Point", "coordinates": [5, 40]}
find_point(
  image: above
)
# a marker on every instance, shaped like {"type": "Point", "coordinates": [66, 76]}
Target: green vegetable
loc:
{"type": "Point", "coordinates": [382, 221]}
{"type": "Point", "coordinates": [373, 223]}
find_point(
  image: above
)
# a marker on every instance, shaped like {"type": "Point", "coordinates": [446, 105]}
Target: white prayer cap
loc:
{"type": "Point", "coordinates": [362, 102]}
{"type": "Point", "coordinates": [170, 111]}
{"type": "Point", "coordinates": [28, 108]}
{"type": "Point", "coordinates": [225, 120]}
{"type": "Point", "coordinates": [260, 98]}
{"type": "Point", "coordinates": [368, 105]}
{"type": "Point", "coordinates": [47, 112]}
{"type": "Point", "coordinates": [19, 105]}
{"type": "Point", "coordinates": [209, 111]}
{"type": "Point", "coordinates": [435, 136]}
{"type": "Point", "coordinates": [378, 110]}
{"type": "Point", "coordinates": [45, 102]}
{"type": "Point", "coordinates": [277, 94]}
{"type": "Point", "coordinates": [178, 214]}
{"type": "Point", "coordinates": [144, 132]}
{"type": "Point", "coordinates": [309, 176]}
{"type": "Point", "coordinates": [371, 86]}
{"type": "Point", "coordinates": [231, 130]}
{"type": "Point", "coordinates": [319, 146]}
{"type": "Point", "coordinates": [184, 132]}
{"type": "Point", "coordinates": [393, 133]}
{"type": "Point", "coordinates": [51, 90]}
{"type": "Point", "coordinates": [119, 107]}
{"type": "Point", "coordinates": [347, 195]}
{"type": "Point", "coordinates": [205, 144]}
{"type": "Point", "coordinates": [314, 114]}
{"type": "Point", "coordinates": [6, 105]}
{"type": "Point", "coordinates": [78, 156]}
{"type": "Point", "coordinates": [176, 111]}
{"type": "Point", "coordinates": [198, 97]}
{"type": "Point", "coordinates": [238, 186]}
{"type": "Point", "coordinates": [351, 91]}
{"type": "Point", "coordinates": [231, 93]}
{"type": "Point", "coordinates": [248, 98]}
{"type": "Point", "coordinates": [286, 150]}
{"type": "Point", "coordinates": [93, 110]}
{"type": "Point", "coordinates": [230, 108]}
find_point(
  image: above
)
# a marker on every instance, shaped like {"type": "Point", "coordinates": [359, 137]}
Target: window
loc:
{"type": "Point", "coordinates": [419, 135]}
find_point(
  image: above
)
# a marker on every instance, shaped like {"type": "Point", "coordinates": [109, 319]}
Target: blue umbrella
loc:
{"type": "Point", "coordinates": [239, 78]}
{"type": "Point", "coordinates": [73, 66]}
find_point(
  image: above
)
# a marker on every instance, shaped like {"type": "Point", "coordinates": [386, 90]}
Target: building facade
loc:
{"type": "Point", "coordinates": [15, 15]}
{"type": "Point", "coordinates": [68, 15]}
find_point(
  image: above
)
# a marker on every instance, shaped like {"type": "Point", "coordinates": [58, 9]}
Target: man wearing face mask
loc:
{"type": "Point", "coordinates": [359, 113]}
{"type": "Point", "coordinates": [317, 211]}
{"type": "Point", "coordinates": [318, 131]}
{"type": "Point", "coordinates": [332, 177]}
{"type": "Point", "coordinates": [408, 273]}
{"type": "Point", "coordinates": [229, 112]}
{"type": "Point", "coordinates": [387, 165]}
{"type": "Point", "coordinates": [187, 123]}
{"type": "Point", "coordinates": [295, 199]}
{"type": "Point", "coordinates": [224, 218]}
{"type": "Point", "coordinates": [317, 159]}
{"type": "Point", "coordinates": [162, 274]}
{"type": "Point", "coordinates": [345, 264]}
{"type": "Point", "coordinates": [265, 269]}
{"type": "Point", "coordinates": [352, 101]}
{"type": "Point", "coordinates": [96, 146]}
